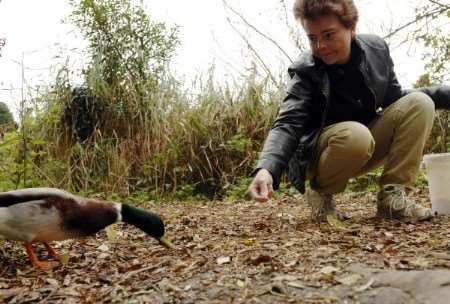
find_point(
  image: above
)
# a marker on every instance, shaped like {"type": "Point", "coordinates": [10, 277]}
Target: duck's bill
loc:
{"type": "Point", "coordinates": [166, 243]}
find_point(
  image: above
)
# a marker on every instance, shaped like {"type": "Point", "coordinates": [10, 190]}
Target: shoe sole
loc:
{"type": "Point", "coordinates": [403, 218]}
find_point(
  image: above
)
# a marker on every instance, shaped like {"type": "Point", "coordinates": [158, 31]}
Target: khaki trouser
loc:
{"type": "Point", "coordinates": [395, 139]}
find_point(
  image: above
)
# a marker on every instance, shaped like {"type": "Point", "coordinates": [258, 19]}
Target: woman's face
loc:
{"type": "Point", "coordinates": [329, 39]}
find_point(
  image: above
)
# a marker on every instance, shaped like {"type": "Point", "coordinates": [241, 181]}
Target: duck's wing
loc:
{"type": "Point", "coordinates": [10, 198]}
{"type": "Point", "coordinates": [31, 221]}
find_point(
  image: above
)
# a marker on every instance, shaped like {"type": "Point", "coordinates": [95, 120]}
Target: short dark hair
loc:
{"type": "Point", "coordinates": [345, 10]}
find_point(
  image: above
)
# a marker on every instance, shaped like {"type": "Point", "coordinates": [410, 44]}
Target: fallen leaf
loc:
{"type": "Point", "coordinates": [260, 259]}
{"type": "Point", "coordinates": [441, 255]}
{"type": "Point", "coordinates": [11, 292]}
{"type": "Point", "coordinates": [389, 234]}
{"type": "Point", "coordinates": [329, 270]}
{"type": "Point", "coordinates": [34, 295]}
{"type": "Point", "coordinates": [349, 280]}
{"type": "Point", "coordinates": [223, 260]}
{"type": "Point", "coordinates": [295, 284]}
{"type": "Point", "coordinates": [290, 264]}
{"type": "Point", "coordinates": [419, 262]}
{"type": "Point", "coordinates": [103, 256]}
{"type": "Point", "coordinates": [52, 282]}
{"type": "Point", "coordinates": [111, 234]}
{"type": "Point", "coordinates": [240, 283]}
{"type": "Point", "coordinates": [379, 247]}
{"type": "Point", "coordinates": [64, 258]}
{"type": "Point", "coordinates": [334, 222]}
{"type": "Point", "coordinates": [103, 248]}
{"type": "Point", "coordinates": [67, 280]}
{"type": "Point", "coordinates": [250, 242]}
{"type": "Point", "coordinates": [435, 242]}
{"type": "Point", "coordinates": [260, 226]}
{"type": "Point", "coordinates": [326, 277]}
{"type": "Point", "coordinates": [284, 277]}
{"type": "Point", "coordinates": [391, 251]}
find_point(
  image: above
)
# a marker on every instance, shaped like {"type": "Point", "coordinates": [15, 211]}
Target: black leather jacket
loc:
{"type": "Point", "coordinates": [292, 140]}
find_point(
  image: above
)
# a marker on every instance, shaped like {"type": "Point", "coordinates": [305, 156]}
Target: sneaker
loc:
{"type": "Point", "coordinates": [322, 205]}
{"type": "Point", "coordinates": [393, 202]}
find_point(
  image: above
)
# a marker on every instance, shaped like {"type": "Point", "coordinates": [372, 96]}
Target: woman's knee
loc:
{"type": "Point", "coordinates": [421, 104]}
{"type": "Point", "coordinates": [353, 139]}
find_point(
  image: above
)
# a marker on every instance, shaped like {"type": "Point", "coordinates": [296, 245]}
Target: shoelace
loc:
{"type": "Point", "coordinates": [400, 202]}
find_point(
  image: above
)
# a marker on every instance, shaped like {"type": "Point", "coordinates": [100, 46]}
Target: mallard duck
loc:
{"type": "Point", "coordinates": [48, 214]}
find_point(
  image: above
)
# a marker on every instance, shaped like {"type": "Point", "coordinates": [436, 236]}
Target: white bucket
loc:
{"type": "Point", "coordinates": [438, 174]}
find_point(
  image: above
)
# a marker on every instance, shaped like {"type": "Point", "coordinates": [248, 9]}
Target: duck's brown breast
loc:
{"type": "Point", "coordinates": [83, 217]}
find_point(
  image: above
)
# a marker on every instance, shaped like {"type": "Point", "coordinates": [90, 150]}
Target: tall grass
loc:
{"type": "Point", "coordinates": [162, 142]}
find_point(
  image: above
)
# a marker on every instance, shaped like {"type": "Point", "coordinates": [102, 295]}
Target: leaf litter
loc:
{"type": "Point", "coordinates": [231, 252]}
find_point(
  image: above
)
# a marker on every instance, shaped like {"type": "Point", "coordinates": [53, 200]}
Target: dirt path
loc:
{"type": "Point", "coordinates": [242, 252]}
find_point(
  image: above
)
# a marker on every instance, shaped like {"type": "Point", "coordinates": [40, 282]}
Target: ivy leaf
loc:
{"type": "Point", "coordinates": [64, 258]}
{"type": "Point", "coordinates": [334, 222]}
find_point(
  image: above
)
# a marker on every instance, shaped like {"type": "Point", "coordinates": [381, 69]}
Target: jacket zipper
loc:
{"type": "Point", "coordinates": [363, 67]}
{"type": "Point", "coordinates": [325, 90]}
{"type": "Point", "coordinates": [326, 93]}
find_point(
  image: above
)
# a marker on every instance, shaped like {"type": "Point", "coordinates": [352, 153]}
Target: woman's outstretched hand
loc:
{"type": "Point", "coordinates": [261, 188]}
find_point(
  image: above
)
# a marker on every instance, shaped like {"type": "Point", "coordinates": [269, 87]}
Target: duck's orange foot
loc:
{"type": "Point", "coordinates": [45, 265]}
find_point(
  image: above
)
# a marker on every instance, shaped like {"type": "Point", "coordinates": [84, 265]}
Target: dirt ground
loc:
{"type": "Point", "coordinates": [236, 252]}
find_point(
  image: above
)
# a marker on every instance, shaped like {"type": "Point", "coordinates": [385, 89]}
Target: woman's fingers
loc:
{"type": "Point", "coordinates": [261, 188]}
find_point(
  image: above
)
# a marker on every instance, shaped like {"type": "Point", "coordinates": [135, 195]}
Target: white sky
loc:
{"type": "Point", "coordinates": [35, 34]}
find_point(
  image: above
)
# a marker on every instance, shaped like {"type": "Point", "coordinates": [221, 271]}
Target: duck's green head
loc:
{"type": "Point", "coordinates": [147, 221]}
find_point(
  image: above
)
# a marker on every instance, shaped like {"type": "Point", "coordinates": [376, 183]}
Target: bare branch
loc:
{"type": "Point", "coordinates": [294, 35]}
{"type": "Point", "coordinates": [2, 42]}
{"type": "Point", "coordinates": [434, 12]}
{"type": "Point", "coordinates": [249, 45]}
{"type": "Point", "coordinates": [256, 30]}
{"type": "Point", "coordinates": [440, 4]}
